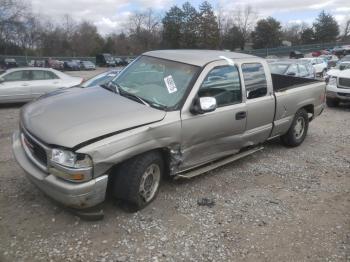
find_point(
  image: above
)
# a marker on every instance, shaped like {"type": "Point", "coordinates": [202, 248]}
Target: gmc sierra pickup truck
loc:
{"type": "Point", "coordinates": [176, 113]}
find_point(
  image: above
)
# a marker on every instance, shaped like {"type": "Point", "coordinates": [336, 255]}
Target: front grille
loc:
{"type": "Point", "coordinates": [344, 94]}
{"type": "Point", "coordinates": [344, 82]}
{"type": "Point", "coordinates": [37, 150]}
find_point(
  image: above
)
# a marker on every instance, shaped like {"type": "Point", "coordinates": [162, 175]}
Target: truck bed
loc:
{"type": "Point", "coordinates": [283, 82]}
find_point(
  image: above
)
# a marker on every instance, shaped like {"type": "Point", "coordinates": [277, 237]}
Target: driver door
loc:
{"type": "Point", "coordinates": [209, 136]}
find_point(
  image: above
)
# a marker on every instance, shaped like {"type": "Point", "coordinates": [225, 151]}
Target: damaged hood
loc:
{"type": "Point", "coordinates": [73, 116]}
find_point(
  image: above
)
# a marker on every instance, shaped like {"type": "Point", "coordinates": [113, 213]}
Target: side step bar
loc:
{"type": "Point", "coordinates": [213, 165]}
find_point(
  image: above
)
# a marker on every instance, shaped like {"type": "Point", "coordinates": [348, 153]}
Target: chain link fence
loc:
{"type": "Point", "coordinates": [278, 51]}
{"type": "Point", "coordinates": [284, 51]}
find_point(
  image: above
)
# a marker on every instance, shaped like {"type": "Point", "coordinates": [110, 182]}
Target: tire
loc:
{"type": "Point", "coordinates": [332, 102]}
{"type": "Point", "coordinates": [136, 181]}
{"type": "Point", "coordinates": [298, 130]}
{"type": "Point", "coordinates": [323, 74]}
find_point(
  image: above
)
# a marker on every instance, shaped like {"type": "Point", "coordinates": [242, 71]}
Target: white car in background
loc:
{"type": "Point", "coordinates": [319, 64]}
{"type": "Point", "coordinates": [338, 87]}
{"type": "Point", "coordinates": [337, 70]}
{"type": "Point", "coordinates": [27, 83]}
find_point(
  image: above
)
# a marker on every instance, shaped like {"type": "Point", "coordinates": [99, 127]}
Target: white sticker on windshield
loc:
{"type": "Point", "coordinates": [170, 84]}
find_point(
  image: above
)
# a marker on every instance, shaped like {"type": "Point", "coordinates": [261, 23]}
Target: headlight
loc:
{"type": "Point", "coordinates": [332, 81]}
{"type": "Point", "coordinates": [70, 159]}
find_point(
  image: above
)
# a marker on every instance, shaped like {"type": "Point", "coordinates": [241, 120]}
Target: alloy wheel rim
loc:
{"type": "Point", "coordinates": [149, 182]}
{"type": "Point", "coordinates": [299, 128]}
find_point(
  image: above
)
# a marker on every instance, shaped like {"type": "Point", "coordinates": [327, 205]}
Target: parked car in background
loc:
{"type": "Point", "coordinates": [119, 61]}
{"type": "Point", "coordinates": [319, 65]}
{"type": "Point", "coordinates": [337, 69]}
{"type": "Point", "coordinates": [101, 79]}
{"type": "Point", "coordinates": [8, 63]}
{"type": "Point", "coordinates": [57, 64]}
{"type": "Point", "coordinates": [71, 66]}
{"type": "Point", "coordinates": [320, 52]}
{"type": "Point", "coordinates": [338, 88]}
{"type": "Point", "coordinates": [176, 113]}
{"type": "Point", "coordinates": [296, 54]}
{"type": "Point", "coordinates": [345, 58]}
{"type": "Point", "coordinates": [331, 60]}
{"type": "Point", "coordinates": [87, 65]}
{"type": "Point", "coordinates": [104, 60]}
{"type": "Point", "coordinates": [341, 51]}
{"type": "Point", "coordinates": [292, 67]}
{"type": "Point", "coordinates": [27, 83]}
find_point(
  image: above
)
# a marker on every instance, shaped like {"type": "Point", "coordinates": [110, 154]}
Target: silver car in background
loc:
{"type": "Point", "coordinates": [25, 84]}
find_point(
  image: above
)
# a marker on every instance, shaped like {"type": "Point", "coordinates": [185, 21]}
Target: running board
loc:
{"type": "Point", "coordinates": [209, 167]}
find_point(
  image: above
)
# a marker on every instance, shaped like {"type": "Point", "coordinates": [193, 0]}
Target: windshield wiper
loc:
{"type": "Point", "coordinates": [109, 87]}
{"type": "Point", "coordinates": [132, 96]}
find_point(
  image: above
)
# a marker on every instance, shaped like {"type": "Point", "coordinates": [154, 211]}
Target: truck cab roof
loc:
{"type": "Point", "coordinates": [197, 57]}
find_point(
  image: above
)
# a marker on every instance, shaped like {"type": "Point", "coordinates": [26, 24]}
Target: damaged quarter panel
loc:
{"type": "Point", "coordinates": [114, 149]}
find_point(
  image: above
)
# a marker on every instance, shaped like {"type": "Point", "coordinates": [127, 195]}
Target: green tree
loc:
{"type": "Point", "coordinates": [326, 28]}
{"type": "Point", "coordinates": [208, 27]}
{"type": "Point", "coordinates": [189, 28]}
{"type": "Point", "coordinates": [307, 36]}
{"type": "Point", "coordinates": [172, 24]}
{"type": "Point", "coordinates": [233, 38]}
{"type": "Point", "coordinates": [267, 33]}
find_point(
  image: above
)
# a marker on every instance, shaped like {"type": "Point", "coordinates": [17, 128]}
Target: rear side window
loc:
{"type": "Point", "coordinates": [17, 76]}
{"type": "Point", "coordinates": [50, 75]}
{"type": "Point", "coordinates": [254, 80]}
{"type": "Point", "coordinates": [223, 83]}
{"type": "Point", "coordinates": [303, 70]}
{"type": "Point", "coordinates": [43, 75]}
{"type": "Point", "coordinates": [292, 70]}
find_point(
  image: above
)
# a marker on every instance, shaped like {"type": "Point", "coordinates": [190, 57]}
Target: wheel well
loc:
{"type": "Point", "coordinates": [310, 110]}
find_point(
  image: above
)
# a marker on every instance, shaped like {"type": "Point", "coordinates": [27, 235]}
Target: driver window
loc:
{"type": "Point", "coordinates": [17, 76]}
{"type": "Point", "coordinates": [223, 84]}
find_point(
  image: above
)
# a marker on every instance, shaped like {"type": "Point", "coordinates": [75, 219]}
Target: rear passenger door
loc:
{"type": "Point", "coordinates": [260, 102]}
{"type": "Point", "coordinates": [43, 82]}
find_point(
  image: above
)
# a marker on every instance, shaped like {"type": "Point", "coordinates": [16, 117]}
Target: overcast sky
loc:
{"type": "Point", "coordinates": [110, 15]}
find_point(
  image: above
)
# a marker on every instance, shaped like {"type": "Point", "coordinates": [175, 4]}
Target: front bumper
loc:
{"type": "Point", "coordinates": [338, 95]}
{"type": "Point", "coordinates": [73, 195]}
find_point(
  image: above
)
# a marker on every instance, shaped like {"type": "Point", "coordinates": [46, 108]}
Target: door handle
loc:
{"type": "Point", "coordinates": [241, 115]}
{"type": "Point", "coordinates": [25, 84]}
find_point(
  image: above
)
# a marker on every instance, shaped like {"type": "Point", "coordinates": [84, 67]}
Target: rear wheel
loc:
{"type": "Point", "coordinates": [137, 180]}
{"type": "Point", "coordinates": [298, 130]}
{"type": "Point", "coordinates": [332, 102]}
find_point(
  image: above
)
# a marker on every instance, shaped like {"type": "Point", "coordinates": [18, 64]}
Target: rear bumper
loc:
{"type": "Point", "coordinates": [74, 195]}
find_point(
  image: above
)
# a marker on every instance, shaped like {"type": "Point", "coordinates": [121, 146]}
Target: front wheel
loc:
{"type": "Point", "coordinates": [298, 130]}
{"type": "Point", "coordinates": [137, 180]}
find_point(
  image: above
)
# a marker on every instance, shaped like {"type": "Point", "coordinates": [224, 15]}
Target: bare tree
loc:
{"type": "Point", "coordinates": [245, 19]}
{"type": "Point", "coordinates": [346, 32]}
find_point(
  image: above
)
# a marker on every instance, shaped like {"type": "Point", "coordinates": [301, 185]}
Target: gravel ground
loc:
{"type": "Point", "coordinates": [277, 205]}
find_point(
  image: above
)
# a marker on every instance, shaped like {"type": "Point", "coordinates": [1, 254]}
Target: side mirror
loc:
{"type": "Point", "coordinates": [203, 105]}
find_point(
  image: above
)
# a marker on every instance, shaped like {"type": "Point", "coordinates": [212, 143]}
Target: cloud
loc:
{"type": "Point", "coordinates": [111, 15]}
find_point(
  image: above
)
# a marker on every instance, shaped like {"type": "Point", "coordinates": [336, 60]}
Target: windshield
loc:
{"type": "Point", "coordinates": [157, 81]}
{"type": "Point", "coordinates": [278, 68]}
{"type": "Point", "coordinates": [343, 66]}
